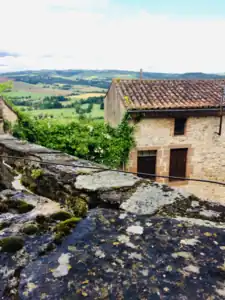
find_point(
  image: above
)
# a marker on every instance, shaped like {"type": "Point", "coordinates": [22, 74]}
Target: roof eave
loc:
{"type": "Point", "coordinates": [135, 110]}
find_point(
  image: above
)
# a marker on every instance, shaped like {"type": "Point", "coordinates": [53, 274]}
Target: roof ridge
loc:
{"type": "Point", "coordinates": [165, 79]}
{"type": "Point", "coordinates": [166, 93]}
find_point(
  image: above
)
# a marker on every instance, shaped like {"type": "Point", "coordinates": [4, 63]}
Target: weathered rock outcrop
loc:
{"type": "Point", "coordinates": [87, 232]}
{"type": "Point", "coordinates": [79, 181]}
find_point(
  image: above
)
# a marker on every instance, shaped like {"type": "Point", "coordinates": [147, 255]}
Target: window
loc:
{"type": "Point", "coordinates": [178, 162]}
{"type": "Point", "coordinates": [147, 163]}
{"type": "Point", "coordinates": [179, 126]}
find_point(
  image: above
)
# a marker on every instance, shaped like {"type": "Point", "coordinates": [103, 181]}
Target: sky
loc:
{"type": "Point", "coordinates": [173, 36]}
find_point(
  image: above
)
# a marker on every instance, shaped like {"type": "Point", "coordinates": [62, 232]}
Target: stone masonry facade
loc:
{"type": "Point", "coordinates": [206, 148]}
{"type": "Point", "coordinates": [206, 152]}
{"type": "Point", "coordinates": [7, 112]}
{"type": "Point", "coordinates": [113, 110]}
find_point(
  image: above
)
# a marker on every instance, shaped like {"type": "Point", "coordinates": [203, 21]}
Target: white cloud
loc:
{"type": "Point", "coordinates": [88, 34]}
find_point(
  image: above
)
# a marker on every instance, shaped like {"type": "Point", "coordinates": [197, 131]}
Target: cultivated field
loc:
{"type": "Point", "coordinates": [86, 96]}
{"type": "Point", "coordinates": [34, 86]}
{"type": "Point", "coordinates": [67, 114]}
{"type": "Point", "coordinates": [37, 89]}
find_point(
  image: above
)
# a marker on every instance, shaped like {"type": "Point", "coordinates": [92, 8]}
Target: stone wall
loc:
{"type": "Point", "coordinates": [7, 112]}
{"type": "Point", "coordinates": [113, 107]}
{"type": "Point", "coordinates": [78, 184]}
{"type": "Point", "coordinates": [206, 151]}
{"type": "Point", "coordinates": [106, 235]}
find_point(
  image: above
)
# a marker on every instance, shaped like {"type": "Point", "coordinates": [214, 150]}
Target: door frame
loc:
{"type": "Point", "coordinates": [185, 166]}
{"type": "Point", "coordinates": [189, 165]}
{"type": "Point", "coordinates": [156, 157]}
{"type": "Point", "coordinates": [163, 154]}
{"type": "Point", "coordinates": [134, 159]}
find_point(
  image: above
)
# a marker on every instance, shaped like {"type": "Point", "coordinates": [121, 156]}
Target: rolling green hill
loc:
{"type": "Point", "coordinates": [32, 88]}
{"type": "Point", "coordinates": [95, 78]}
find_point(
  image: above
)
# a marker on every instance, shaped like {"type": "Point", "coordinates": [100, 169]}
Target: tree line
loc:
{"type": "Point", "coordinates": [55, 102]}
{"type": "Point", "coordinates": [47, 79]}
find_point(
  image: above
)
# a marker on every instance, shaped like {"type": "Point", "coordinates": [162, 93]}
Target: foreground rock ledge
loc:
{"type": "Point", "coordinates": [156, 242]}
{"type": "Point", "coordinates": [115, 256]}
{"type": "Point", "coordinates": [175, 253]}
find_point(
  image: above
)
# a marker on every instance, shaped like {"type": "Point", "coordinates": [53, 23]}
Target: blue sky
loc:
{"type": "Point", "coordinates": [159, 36]}
{"type": "Point", "coordinates": [185, 8]}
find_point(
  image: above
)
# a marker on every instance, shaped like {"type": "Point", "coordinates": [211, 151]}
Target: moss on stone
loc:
{"type": "Point", "coordinates": [26, 181]}
{"type": "Point", "coordinates": [64, 228]}
{"type": "Point", "coordinates": [41, 219]}
{"type": "Point", "coordinates": [11, 244]}
{"type": "Point", "coordinates": [4, 225]}
{"type": "Point", "coordinates": [36, 173]}
{"type": "Point", "coordinates": [43, 223]}
{"type": "Point", "coordinates": [30, 229]}
{"type": "Point", "coordinates": [61, 216]}
{"type": "Point", "coordinates": [83, 172]}
{"type": "Point", "coordinates": [78, 206]}
{"type": "Point", "coordinates": [103, 220]}
{"type": "Point", "coordinates": [21, 206]}
{"type": "Point", "coordinates": [24, 207]}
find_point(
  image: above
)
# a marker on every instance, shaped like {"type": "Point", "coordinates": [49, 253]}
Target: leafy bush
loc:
{"type": "Point", "coordinates": [83, 138]}
{"type": "Point", "coordinates": [7, 126]}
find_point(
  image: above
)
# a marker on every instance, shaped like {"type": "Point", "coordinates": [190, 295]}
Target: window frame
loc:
{"type": "Point", "coordinates": [177, 131]}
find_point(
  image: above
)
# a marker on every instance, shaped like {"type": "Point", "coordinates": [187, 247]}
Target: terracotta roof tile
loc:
{"type": "Point", "coordinates": [166, 94]}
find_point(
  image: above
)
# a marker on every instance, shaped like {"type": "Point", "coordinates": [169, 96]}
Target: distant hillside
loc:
{"type": "Point", "coordinates": [94, 78]}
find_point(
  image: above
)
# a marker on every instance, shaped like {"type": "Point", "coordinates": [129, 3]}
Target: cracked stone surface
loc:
{"type": "Point", "coordinates": [148, 198]}
{"type": "Point", "coordinates": [101, 259]}
{"type": "Point", "coordinates": [12, 225]}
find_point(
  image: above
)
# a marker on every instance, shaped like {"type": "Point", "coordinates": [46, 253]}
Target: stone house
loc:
{"type": "Point", "coordinates": [6, 113]}
{"type": "Point", "coordinates": [179, 130]}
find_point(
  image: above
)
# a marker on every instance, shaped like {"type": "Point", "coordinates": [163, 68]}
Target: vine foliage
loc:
{"type": "Point", "coordinates": [85, 139]}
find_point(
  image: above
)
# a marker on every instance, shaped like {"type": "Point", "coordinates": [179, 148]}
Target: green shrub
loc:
{"type": "Point", "coordinates": [84, 138]}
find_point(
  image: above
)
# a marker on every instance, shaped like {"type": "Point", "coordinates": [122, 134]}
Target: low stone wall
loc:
{"type": "Point", "coordinates": [80, 184]}
{"type": "Point", "coordinates": [99, 234]}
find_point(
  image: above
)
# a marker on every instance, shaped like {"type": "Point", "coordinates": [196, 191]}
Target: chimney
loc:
{"type": "Point", "coordinates": [141, 74]}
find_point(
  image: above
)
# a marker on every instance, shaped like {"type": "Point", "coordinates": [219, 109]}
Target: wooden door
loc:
{"type": "Point", "coordinates": [178, 162]}
{"type": "Point", "coordinates": [147, 163]}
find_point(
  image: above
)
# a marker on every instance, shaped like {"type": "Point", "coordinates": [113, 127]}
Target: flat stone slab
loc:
{"type": "Point", "coordinates": [105, 181]}
{"type": "Point", "coordinates": [25, 147]}
{"type": "Point", "coordinates": [149, 198]}
{"type": "Point", "coordinates": [6, 137]}
{"type": "Point", "coordinates": [112, 255]}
